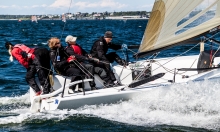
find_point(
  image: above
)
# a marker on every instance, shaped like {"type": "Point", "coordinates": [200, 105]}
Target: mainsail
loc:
{"type": "Point", "coordinates": [174, 22]}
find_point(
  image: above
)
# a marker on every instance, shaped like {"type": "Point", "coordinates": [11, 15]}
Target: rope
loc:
{"type": "Point", "coordinates": [82, 68]}
{"type": "Point", "coordinates": [175, 56]}
{"type": "Point", "coordinates": [65, 22]}
{"type": "Point", "coordinates": [56, 53]}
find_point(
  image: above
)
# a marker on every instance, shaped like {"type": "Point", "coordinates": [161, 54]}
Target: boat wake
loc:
{"type": "Point", "coordinates": [195, 104]}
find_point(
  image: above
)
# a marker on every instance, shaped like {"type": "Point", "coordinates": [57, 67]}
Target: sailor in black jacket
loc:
{"type": "Point", "coordinates": [83, 58]}
{"type": "Point", "coordinates": [63, 64]}
{"type": "Point", "coordinates": [99, 50]}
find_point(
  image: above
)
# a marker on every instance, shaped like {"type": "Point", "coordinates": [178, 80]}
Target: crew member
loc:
{"type": "Point", "coordinates": [35, 60]}
{"type": "Point", "coordinates": [99, 50]}
{"type": "Point", "coordinates": [83, 58]}
{"type": "Point", "coordinates": [62, 62]}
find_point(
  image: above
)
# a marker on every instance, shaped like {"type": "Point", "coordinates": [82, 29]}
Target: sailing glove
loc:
{"type": "Point", "coordinates": [124, 46]}
{"type": "Point", "coordinates": [94, 59]}
{"type": "Point", "coordinates": [71, 58]}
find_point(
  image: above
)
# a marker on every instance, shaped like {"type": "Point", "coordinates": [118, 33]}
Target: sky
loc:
{"type": "Point", "coordinates": [41, 7]}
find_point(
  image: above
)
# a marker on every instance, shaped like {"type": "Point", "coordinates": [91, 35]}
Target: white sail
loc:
{"type": "Point", "coordinates": [63, 18]}
{"type": "Point", "coordinates": [34, 19]}
{"type": "Point", "coordinates": [174, 21]}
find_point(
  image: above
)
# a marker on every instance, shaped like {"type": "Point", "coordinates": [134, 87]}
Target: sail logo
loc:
{"type": "Point", "coordinates": [56, 101]}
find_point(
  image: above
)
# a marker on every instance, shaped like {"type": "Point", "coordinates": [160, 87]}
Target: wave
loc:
{"type": "Point", "coordinates": [193, 105]}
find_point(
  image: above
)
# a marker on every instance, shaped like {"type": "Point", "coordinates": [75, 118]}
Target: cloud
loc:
{"type": "Point", "coordinates": [2, 6]}
{"type": "Point", "coordinates": [112, 4]}
{"type": "Point", "coordinates": [83, 5]}
{"type": "Point", "coordinates": [35, 6]}
{"type": "Point", "coordinates": [12, 6]}
{"type": "Point", "coordinates": [44, 5]}
{"type": "Point", "coordinates": [100, 4]}
{"type": "Point", "coordinates": [147, 6]}
{"type": "Point", "coordinates": [61, 4]}
{"type": "Point", "coordinates": [38, 6]}
{"type": "Point", "coordinates": [21, 7]}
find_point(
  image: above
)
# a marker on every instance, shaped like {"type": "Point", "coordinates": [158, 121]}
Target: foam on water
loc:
{"type": "Point", "coordinates": [195, 104]}
{"type": "Point", "coordinates": [24, 99]}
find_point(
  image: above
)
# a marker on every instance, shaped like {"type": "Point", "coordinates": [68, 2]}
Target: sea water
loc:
{"type": "Point", "coordinates": [192, 106]}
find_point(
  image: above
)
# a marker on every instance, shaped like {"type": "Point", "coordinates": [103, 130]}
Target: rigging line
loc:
{"type": "Point", "coordinates": [170, 71]}
{"type": "Point", "coordinates": [50, 70]}
{"type": "Point", "coordinates": [122, 67]}
{"type": "Point", "coordinates": [215, 53]}
{"type": "Point", "coordinates": [142, 72]}
{"type": "Point", "coordinates": [73, 62]}
{"type": "Point", "coordinates": [81, 66]}
{"type": "Point", "coordinates": [123, 54]}
{"type": "Point", "coordinates": [84, 69]}
{"type": "Point", "coordinates": [177, 55]}
{"type": "Point", "coordinates": [206, 39]}
{"type": "Point", "coordinates": [137, 52]}
{"type": "Point", "coordinates": [65, 21]}
{"type": "Point", "coordinates": [60, 39]}
{"type": "Point", "coordinates": [131, 73]}
{"type": "Point", "coordinates": [185, 52]}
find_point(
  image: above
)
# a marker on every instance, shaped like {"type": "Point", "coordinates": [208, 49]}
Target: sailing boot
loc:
{"type": "Point", "coordinates": [117, 83]}
{"type": "Point", "coordinates": [108, 83]}
{"type": "Point", "coordinates": [92, 85]}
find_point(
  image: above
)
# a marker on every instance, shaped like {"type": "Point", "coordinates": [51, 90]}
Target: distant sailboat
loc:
{"type": "Point", "coordinates": [63, 18]}
{"type": "Point", "coordinates": [34, 19]}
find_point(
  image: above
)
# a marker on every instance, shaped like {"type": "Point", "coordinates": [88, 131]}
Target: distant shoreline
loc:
{"type": "Point", "coordinates": [77, 19]}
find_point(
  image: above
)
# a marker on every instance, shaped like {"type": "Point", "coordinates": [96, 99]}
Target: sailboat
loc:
{"type": "Point", "coordinates": [34, 18]}
{"type": "Point", "coordinates": [172, 23]}
{"type": "Point", "coordinates": [63, 17]}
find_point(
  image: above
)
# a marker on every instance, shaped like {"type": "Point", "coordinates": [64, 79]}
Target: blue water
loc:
{"type": "Point", "coordinates": [187, 107]}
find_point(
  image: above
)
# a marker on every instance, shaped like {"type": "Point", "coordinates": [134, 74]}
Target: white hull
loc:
{"type": "Point", "coordinates": [112, 95]}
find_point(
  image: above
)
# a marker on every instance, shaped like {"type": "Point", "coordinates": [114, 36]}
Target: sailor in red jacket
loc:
{"type": "Point", "coordinates": [35, 61]}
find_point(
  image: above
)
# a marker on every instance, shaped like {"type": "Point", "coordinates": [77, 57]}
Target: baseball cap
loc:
{"type": "Point", "coordinates": [70, 38]}
{"type": "Point", "coordinates": [108, 34]}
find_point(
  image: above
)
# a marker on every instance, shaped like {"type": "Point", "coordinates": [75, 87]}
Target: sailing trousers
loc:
{"type": "Point", "coordinates": [111, 57]}
{"type": "Point", "coordinates": [108, 71]}
{"type": "Point", "coordinates": [75, 74]}
{"type": "Point", "coordinates": [41, 66]}
{"type": "Point", "coordinates": [88, 71]}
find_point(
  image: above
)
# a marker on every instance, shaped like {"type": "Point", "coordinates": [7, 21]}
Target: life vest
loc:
{"type": "Point", "coordinates": [77, 49]}
{"type": "Point", "coordinates": [16, 53]}
{"type": "Point", "coordinates": [24, 48]}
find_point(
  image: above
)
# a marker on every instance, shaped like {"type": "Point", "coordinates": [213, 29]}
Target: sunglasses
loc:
{"type": "Point", "coordinates": [57, 43]}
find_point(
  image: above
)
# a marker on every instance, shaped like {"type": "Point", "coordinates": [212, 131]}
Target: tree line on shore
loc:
{"type": "Point", "coordinates": [79, 14]}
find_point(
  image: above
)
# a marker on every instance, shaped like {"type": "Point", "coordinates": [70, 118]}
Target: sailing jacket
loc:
{"type": "Point", "coordinates": [59, 59]}
{"type": "Point", "coordinates": [79, 53]}
{"type": "Point", "coordinates": [20, 52]}
{"type": "Point", "coordinates": [100, 48]}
